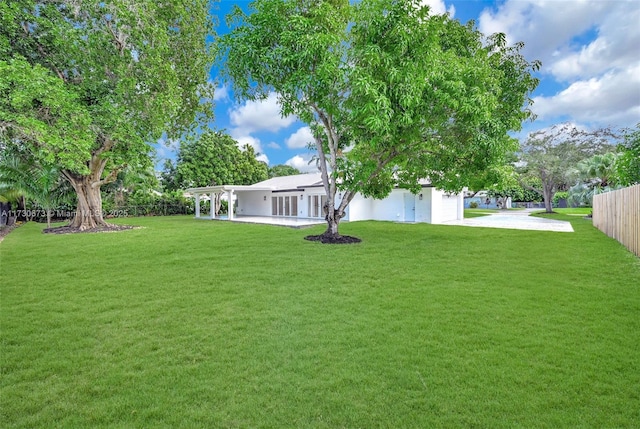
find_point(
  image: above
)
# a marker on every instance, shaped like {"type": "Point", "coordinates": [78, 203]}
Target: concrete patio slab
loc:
{"type": "Point", "coordinates": [519, 219]}
{"type": "Point", "coordinates": [290, 222]}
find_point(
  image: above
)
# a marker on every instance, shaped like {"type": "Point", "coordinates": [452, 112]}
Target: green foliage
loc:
{"type": "Point", "coordinates": [86, 85]}
{"type": "Point", "coordinates": [43, 184]}
{"type": "Point", "coordinates": [560, 195]}
{"type": "Point", "coordinates": [628, 165]}
{"type": "Point", "coordinates": [551, 156]}
{"type": "Point", "coordinates": [282, 170]}
{"type": "Point", "coordinates": [168, 176]}
{"type": "Point", "coordinates": [144, 202]}
{"type": "Point", "coordinates": [392, 94]}
{"type": "Point", "coordinates": [249, 169]}
{"type": "Point", "coordinates": [596, 174]}
{"type": "Point", "coordinates": [40, 112]}
{"type": "Point", "coordinates": [473, 205]}
{"type": "Point", "coordinates": [514, 189]}
{"type": "Point", "coordinates": [444, 114]}
{"type": "Point", "coordinates": [600, 170]}
{"type": "Point", "coordinates": [213, 158]}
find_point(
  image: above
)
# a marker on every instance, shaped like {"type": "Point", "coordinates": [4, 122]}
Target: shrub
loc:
{"type": "Point", "coordinates": [559, 196]}
{"type": "Point", "coordinates": [473, 205]}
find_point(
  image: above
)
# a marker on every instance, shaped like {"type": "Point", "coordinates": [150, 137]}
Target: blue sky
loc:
{"type": "Point", "coordinates": [590, 76]}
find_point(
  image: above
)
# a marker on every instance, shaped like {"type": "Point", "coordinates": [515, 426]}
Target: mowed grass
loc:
{"type": "Point", "coordinates": [187, 323]}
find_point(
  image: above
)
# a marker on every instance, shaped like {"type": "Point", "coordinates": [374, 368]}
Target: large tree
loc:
{"type": "Point", "coordinates": [553, 154]}
{"type": "Point", "coordinates": [392, 93]}
{"type": "Point", "coordinates": [214, 158]}
{"type": "Point", "coordinates": [86, 84]}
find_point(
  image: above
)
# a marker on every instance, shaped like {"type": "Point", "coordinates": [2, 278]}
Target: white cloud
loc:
{"type": "Point", "coordinates": [438, 7]}
{"type": "Point", "coordinates": [544, 26]}
{"type": "Point", "coordinates": [300, 139]}
{"type": "Point", "coordinates": [255, 144]}
{"type": "Point", "coordinates": [262, 157]}
{"type": "Point", "coordinates": [612, 99]}
{"type": "Point", "coordinates": [273, 145]}
{"type": "Point", "coordinates": [221, 94]}
{"type": "Point", "coordinates": [589, 46]}
{"type": "Point", "coordinates": [552, 33]}
{"type": "Point", "coordinates": [260, 115]}
{"type": "Point", "coordinates": [616, 46]}
{"type": "Point", "coordinates": [247, 140]}
{"type": "Point", "coordinates": [301, 162]}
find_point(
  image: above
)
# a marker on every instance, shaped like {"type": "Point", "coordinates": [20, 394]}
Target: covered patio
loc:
{"type": "Point", "coordinates": [213, 192]}
{"type": "Point", "coordinates": [231, 192]}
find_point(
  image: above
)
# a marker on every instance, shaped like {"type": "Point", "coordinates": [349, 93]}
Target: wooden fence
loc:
{"type": "Point", "coordinates": [617, 214]}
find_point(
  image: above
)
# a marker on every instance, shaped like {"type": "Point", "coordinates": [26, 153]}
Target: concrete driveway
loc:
{"type": "Point", "coordinates": [515, 219]}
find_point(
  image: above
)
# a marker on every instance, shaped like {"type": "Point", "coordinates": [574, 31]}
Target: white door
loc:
{"type": "Point", "coordinates": [409, 207]}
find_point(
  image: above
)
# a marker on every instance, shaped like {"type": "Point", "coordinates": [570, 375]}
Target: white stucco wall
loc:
{"type": "Point", "coordinates": [423, 206]}
{"type": "Point", "coordinates": [252, 203]}
{"type": "Point", "coordinates": [434, 206]}
{"type": "Point", "coordinates": [391, 208]}
{"type": "Point", "coordinates": [446, 207]}
{"type": "Point", "coordinates": [359, 209]}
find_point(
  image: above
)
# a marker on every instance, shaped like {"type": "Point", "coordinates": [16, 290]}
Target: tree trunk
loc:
{"type": "Point", "coordinates": [547, 194]}
{"type": "Point", "coordinates": [333, 215]}
{"type": "Point", "coordinates": [333, 220]}
{"type": "Point", "coordinates": [89, 210]}
{"type": "Point", "coordinates": [218, 203]}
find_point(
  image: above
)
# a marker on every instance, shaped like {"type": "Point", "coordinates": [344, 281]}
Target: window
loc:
{"type": "Point", "coordinates": [286, 205]}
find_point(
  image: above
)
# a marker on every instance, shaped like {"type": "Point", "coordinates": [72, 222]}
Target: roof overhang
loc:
{"type": "Point", "coordinates": [227, 188]}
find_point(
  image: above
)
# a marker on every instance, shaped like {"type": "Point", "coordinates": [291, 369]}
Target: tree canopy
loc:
{"type": "Point", "coordinates": [552, 155]}
{"type": "Point", "coordinates": [86, 85]}
{"type": "Point", "coordinates": [629, 162]}
{"type": "Point", "coordinates": [392, 93]}
{"type": "Point", "coordinates": [214, 158]}
{"type": "Point", "coordinates": [282, 170]}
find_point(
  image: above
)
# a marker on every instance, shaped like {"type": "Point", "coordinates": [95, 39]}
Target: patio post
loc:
{"type": "Point", "coordinates": [212, 203]}
{"type": "Point", "coordinates": [230, 204]}
{"type": "Point", "coordinates": [197, 195]}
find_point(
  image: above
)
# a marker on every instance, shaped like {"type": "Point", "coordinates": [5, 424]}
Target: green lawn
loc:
{"type": "Point", "coordinates": [198, 324]}
{"type": "Point", "coordinates": [578, 211]}
{"type": "Point", "coordinates": [469, 213]}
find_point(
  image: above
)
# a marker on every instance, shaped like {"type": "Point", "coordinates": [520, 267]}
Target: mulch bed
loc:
{"type": "Point", "coordinates": [70, 230]}
{"type": "Point", "coordinates": [6, 230]}
{"type": "Point", "coordinates": [333, 239]}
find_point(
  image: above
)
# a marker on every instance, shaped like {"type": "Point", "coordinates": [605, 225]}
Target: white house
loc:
{"type": "Point", "coordinates": [302, 196]}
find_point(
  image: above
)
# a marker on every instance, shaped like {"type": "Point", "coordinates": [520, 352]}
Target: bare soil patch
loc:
{"type": "Point", "coordinates": [5, 230]}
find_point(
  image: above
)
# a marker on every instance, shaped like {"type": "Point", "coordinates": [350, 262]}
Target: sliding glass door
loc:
{"type": "Point", "coordinates": [286, 205]}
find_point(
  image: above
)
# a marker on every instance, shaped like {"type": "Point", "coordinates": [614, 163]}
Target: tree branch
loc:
{"type": "Point", "coordinates": [44, 53]}
{"type": "Point", "coordinates": [111, 177]}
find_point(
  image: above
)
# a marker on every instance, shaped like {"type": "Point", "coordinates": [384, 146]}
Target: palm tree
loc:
{"type": "Point", "coordinates": [600, 169]}
{"type": "Point", "coordinates": [598, 174]}
{"type": "Point", "coordinates": [44, 184]}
